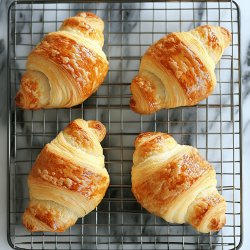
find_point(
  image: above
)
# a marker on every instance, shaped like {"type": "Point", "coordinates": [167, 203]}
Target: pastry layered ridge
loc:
{"type": "Point", "coordinates": [175, 183]}
{"type": "Point", "coordinates": [66, 67]}
{"type": "Point", "coordinates": [68, 179]}
{"type": "Point", "coordinates": [178, 70]}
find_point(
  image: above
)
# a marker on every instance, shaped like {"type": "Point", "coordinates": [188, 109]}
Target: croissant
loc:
{"type": "Point", "coordinates": [173, 182]}
{"type": "Point", "coordinates": [178, 70]}
{"type": "Point", "coordinates": [68, 179]}
{"type": "Point", "coordinates": [66, 67]}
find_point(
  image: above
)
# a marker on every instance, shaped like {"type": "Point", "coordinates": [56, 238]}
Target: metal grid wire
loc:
{"type": "Point", "coordinates": [213, 126]}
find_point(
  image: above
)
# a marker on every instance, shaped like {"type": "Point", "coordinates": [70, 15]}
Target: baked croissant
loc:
{"type": "Point", "coordinates": [68, 179]}
{"type": "Point", "coordinates": [178, 70]}
{"type": "Point", "coordinates": [66, 67]}
{"type": "Point", "coordinates": [174, 182]}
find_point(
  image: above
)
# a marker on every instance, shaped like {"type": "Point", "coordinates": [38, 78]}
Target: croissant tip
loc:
{"type": "Point", "coordinates": [29, 226]}
{"type": "Point", "coordinates": [86, 14]}
{"type": "Point", "coordinates": [19, 102]}
{"type": "Point", "coordinates": [134, 107]}
{"type": "Point", "coordinates": [140, 136]}
{"type": "Point", "coordinates": [227, 36]}
{"type": "Point", "coordinates": [159, 137]}
{"type": "Point", "coordinates": [99, 129]}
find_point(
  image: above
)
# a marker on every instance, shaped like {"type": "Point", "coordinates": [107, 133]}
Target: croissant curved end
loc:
{"type": "Point", "coordinates": [136, 107]}
{"type": "Point", "coordinates": [95, 20]}
{"type": "Point", "coordinates": [98, 128]}
{"type": "Point", "coordinates": [34, 92]}
{"type": "Point", "coordinates": [154, 136]}
{"type": "Point", "coordinates": [227, 36]}
{"type": "Point", "coordinates": [143, 100]}
{"type": "Point", "coordinates": [43, 215]}
{"type": "Point", "coordinates": [88, 15]}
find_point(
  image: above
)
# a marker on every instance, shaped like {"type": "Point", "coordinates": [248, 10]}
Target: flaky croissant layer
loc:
{"type": "Point", "coordinates": [178, 70]}
{"type": "Point", "coordinates": [174, 182]}
{"type": "Point", "coordinates": [66, 67]}
{"type": "Point", "coordinates": [68, 179]}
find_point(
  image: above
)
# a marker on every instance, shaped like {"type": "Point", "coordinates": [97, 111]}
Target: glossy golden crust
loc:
{"type": "Point", "coordinates": [68, 178]}
{"type": "Point", "coordinates": [80, 62]}
{"type": "Point", "coordinates": [61, 172]}
{"type": "Point", "coordinates": [180, 61]}
{"type": "Point", "coordinates": [178, 70]}
{"type": "Point", "coordinates": [171, 180]}
{"type": "Point", "coordinates": [72, 62]}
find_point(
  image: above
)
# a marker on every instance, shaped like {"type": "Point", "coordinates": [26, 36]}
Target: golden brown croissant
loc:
{"type": "Point", "coordinates": [174, 182]}
{"type": "Point", "coordinates": [66, 67]}
{"type": "Point", "coordinates": [68, 179]}
{"type": "Point", "coordinates": [178, 70]}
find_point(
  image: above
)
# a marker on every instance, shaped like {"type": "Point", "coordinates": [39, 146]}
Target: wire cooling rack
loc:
{"type": "Point", "coordinates": [213, 126]}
